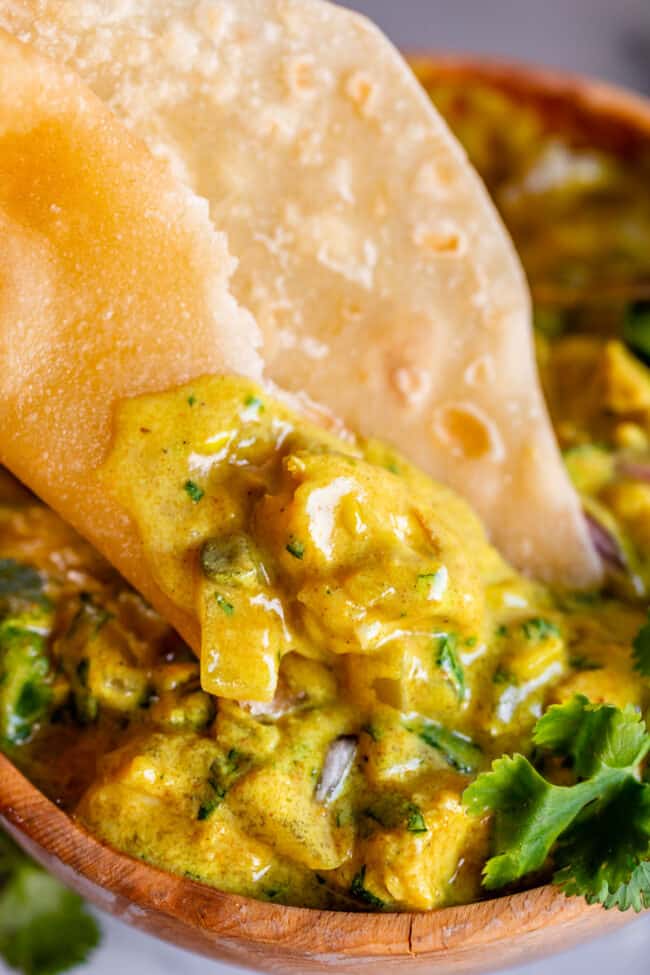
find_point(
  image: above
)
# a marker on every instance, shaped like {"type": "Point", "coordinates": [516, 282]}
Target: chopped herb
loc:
{"type": "Point", "coordinates": [393, 811]}
{"type": "Point", "coordinates": [392, 467]}
{"type": "Point", "coordinates": [373, 731]}
{"type": "Point", "coordinates": [539, 628]}
{"type": "Point", "coordinates": [415, 822]}
{"type": "Point", "coordinates": [503, 676]}
{"type": "Point", "coordinates": [193, 491]}
{"type": "Point", "coordinates": [216, 795]}
{"type": "Point", "coordinates": [501, 630]}
{"type": "Point", "coordinates": [276, 893]}
{"type": "Point", "coordinates": [191, 399]}
{"type": "Point", "coordinates": [458, 750]}
{"type": "Point", "coordinates": [358, 890]}
{"type": "Point", "coordinates": [598, 830]}
{"type": "Point", "coordinates": [208, 807]}
{"type": "Point", "coordinates": [583, 663]}
{"type": "Point", "coordinates": [641, 650]}
{"type": "Point", "coordinates": [254, 402]}
{"type": "Point", "coordinates": [25, 673]}
{"type": "Point", "coordinates": [449, 662]}
{"type": "Point", "coordinates": [296, 548]}
{"type": "Point", "coordinates": [223, 773]}
{"type": "Point", "coordinates": [223, 604]}
{"type": "Point", "coordinates": [580, 599]}
{"type": "Point", "coordinates": [471, 641]}
{"type": "Point", "coordinates": [433, 585]}
{"type": "Point", "coordinates": [636, 329]}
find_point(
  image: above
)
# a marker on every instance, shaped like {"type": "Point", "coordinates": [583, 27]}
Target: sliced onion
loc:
{"type": "Point", "coordinates": [638, 470]}
{"type": "Point", "coordinates": [606, 544]}
{"type": "Point", "coordinates": [337, 765]}
{"type": "Point", "coordinates": [283, 703]}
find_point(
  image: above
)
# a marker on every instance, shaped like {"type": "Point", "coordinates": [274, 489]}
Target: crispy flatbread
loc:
{"type": "Point", "coordinates": [113, 282]}
{"type": "Point", "coordinates": [369, 252]}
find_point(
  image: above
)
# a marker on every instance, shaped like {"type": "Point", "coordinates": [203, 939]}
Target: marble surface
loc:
{"type": "Point", "coordinates": [606, 38]}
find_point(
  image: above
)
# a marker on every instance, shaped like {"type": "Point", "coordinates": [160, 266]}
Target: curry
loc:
{"type": "Point", "coordinates": [366, 652]}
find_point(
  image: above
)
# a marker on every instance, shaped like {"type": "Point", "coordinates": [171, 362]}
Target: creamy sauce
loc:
{"type": "Point", "coordinates": [365, 654]}
{"type": "Point", "coordinates": [365, 651]}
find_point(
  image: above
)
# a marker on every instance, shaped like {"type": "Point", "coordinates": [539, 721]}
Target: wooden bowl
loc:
{"type": "Point", "coordinates": [272, 938]}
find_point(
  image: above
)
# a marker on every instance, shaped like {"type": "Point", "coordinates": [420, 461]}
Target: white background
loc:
{"type": "Point", "coordinates": [606, 38]}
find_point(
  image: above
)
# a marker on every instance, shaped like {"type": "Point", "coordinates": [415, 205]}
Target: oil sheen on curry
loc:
{"type": "Point", "coordinates": [365, 651]}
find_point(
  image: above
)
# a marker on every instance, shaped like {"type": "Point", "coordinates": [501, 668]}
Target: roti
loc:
{"type": "Point", "coordinates": [113, 282]}
{"type": "Point", "coordinates": [381, 277]}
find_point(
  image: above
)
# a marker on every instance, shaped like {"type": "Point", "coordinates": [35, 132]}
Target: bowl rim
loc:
{"type": "Point", "coordinates": [103, 874]}
{"type": "Point", "coordinates": [586, 99]}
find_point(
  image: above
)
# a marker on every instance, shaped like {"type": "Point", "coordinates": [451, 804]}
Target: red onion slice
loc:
{"type": "Point", "coordinates": [283, 703]}
{"type": "Point", "coordinates": [337, 765]}
{"type": "Point", "coordinates": [606, 544]}
{"type": "Point", "coordinates": [637, 470]}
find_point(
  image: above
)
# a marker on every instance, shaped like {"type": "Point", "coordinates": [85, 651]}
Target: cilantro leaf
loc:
{"type": "Point", "coordinates": [641, 649]}
{"type": "Point", "coordinates": [589, 861]}
{"type": "Point", "coordinates": [598, 830]}
{"type": "Point", "coordinates": [593, 737]}
{"type": "Point", "coordinates": [44, 928]}
{"type": "Point", "coordinates": [529, 816]}
{"type": "Point", "coordinates": [450, 664]}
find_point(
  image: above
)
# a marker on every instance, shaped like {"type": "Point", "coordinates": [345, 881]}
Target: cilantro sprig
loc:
{"type": "Point", "coordinates": [44, 928]}
{"type": "Point", "coordinates": [597, 830]}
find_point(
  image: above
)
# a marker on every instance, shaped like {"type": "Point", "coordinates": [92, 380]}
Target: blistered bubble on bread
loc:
{"type": "Point", "coordinates": [380, 274]}
{"type": "Point", "coordinates": [113, 282]}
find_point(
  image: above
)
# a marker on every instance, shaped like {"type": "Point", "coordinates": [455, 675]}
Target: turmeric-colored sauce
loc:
{"type": "Point", "coordinates": [365, 650]}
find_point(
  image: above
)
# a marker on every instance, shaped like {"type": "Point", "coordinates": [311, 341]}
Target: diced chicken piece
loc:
{"type": "Point", "coordinates": [418, 869]}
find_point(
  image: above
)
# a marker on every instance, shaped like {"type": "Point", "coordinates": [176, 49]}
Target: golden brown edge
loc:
{"type": "Point", "coordinates": [254, 932]}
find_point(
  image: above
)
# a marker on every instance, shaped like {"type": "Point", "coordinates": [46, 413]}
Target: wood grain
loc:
{"type": "Point", "coordinates": [276, 939]}
{"type": "Point", "coordinates": [273, 938]}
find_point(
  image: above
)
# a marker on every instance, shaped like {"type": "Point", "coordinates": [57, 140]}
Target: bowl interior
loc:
{"type": "Point", "coordinates": [274, 938]}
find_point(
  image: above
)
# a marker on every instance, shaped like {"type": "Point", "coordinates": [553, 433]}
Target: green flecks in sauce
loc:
{"type": "Point", "coordinates": [296, 548]}
{"type": "Point", "coordinates": [193, 491]}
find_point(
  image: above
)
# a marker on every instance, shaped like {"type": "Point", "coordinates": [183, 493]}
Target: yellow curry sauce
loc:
{"type": "Point", "coordinates": [365, 654]}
